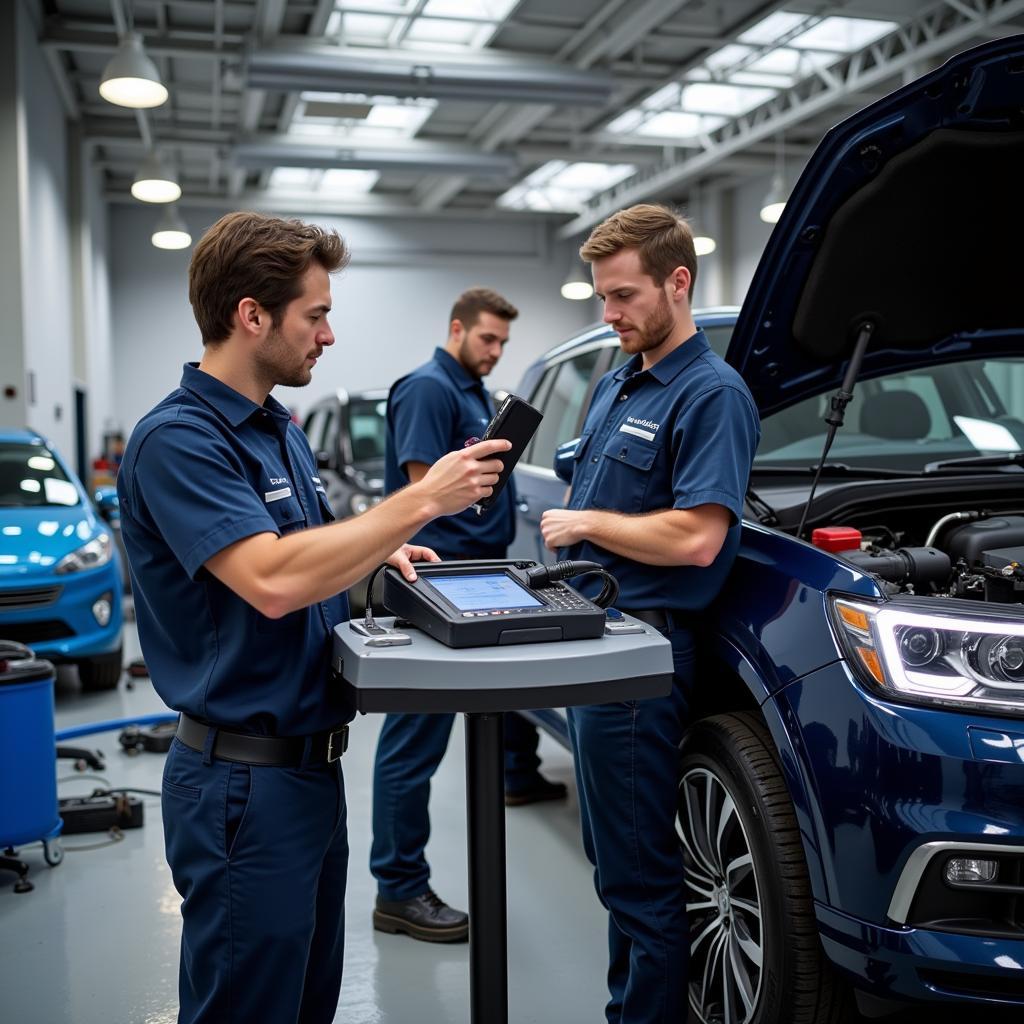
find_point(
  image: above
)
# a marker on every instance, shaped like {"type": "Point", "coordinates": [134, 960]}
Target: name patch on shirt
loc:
{"type": "Point", "coordinates": [639, 428]}
{"type": "Point", "coordinates": [283, 492]}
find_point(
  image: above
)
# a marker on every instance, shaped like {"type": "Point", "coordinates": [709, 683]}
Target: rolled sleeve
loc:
{"type": "Point", "coordinates": [196, 493]}
{"type": "Point", "coordinates": [422, 414]}
{"type": "Point", "coordinates": [714, 441]}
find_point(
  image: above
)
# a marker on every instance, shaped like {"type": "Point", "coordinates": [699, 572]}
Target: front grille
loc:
{"type": "Point", "coordinates": [34, 597]}
{"type": "Point", "coordinates": [35, 632]}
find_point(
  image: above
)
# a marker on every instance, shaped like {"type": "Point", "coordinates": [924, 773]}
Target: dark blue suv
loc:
{"type": "Point", "coordinates": [851, 794]}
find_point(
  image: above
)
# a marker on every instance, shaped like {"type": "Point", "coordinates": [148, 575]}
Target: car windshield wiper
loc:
{"type": "Point", "coordinates": [977, 462]}
{"type": "Point", "coordinates": [837, 469]}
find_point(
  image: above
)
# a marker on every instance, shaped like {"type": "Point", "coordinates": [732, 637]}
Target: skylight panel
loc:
{"type": "Point", "coordinates": [678, 124]}
{"type": "Point", "coordinates": [406, 118]}
{"type": "Point", "coordinates": [628, 121]}
{"type": "Point", "coordinates": [728, 56]}
{"type": "Point", "coordinates": [291, 178]}
{"type": "Point", "coordinates": [720, 98]}
{"type": "Point", "coordinates": [342, 182]}
{"type": "Point", "coordinates": [843, 35]}
{"type": "Point", "coordinates": [437, 23]}
{"type": "Point", "coordinates": [366, 28]}
{"type": "Point", "coordinates": [666, 96]}
{"type": "Point", "coordinates": [563, 187]}
{"type": "Point", "coordinates": [772, 28]}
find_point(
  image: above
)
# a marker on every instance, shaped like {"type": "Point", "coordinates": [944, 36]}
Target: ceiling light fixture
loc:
{"type": "Point", "coordinates": [154, 183]}
{"type": "Point", "coordinates": [170, 231]}
{"type": "Point", "coordinates": [703, 245]}
{"type": "Point", "coordinates": [775, 202]}
{"type": "Point", "coordinates": [130, 78]}
{"type": "Point", "coordinates": [576, 287]}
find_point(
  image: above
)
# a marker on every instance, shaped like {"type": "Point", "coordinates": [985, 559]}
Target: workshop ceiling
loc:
{"type": "Point", "coordinates": [569, 108]}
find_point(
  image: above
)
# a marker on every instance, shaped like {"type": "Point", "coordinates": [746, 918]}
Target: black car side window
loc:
{"type": "Point", "coordinates": [561, 396]}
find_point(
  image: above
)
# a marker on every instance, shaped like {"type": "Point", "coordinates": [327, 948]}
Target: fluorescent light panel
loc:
{"type": "Point", "coordinates": [388, 117]}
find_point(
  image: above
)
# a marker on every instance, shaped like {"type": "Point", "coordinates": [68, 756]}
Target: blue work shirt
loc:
{"type": "Point", "coordinates": [678, 435]}
{"type": "Point", "coordinates": [202, 470]}
{"type": "Point", "coordinates": [431, 412]}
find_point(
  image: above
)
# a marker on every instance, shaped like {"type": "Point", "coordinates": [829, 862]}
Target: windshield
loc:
{"type": "Point", "coordinates": [31, 477]}
{"type": "Point", "coordinates": [367, 428]}
{"type": "Point", "coordinates": [905, 421]}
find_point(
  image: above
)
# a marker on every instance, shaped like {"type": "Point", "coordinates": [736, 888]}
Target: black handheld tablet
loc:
{"type": "Point", "coordinates": [515, 421]}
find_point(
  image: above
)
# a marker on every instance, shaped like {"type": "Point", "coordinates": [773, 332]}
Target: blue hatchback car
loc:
{"type": "Point", "coordinates": [851, 792]}
{"type": "Point", "coordinates": [60, 577]}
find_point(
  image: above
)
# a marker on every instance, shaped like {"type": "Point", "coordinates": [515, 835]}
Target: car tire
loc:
{"type": "Point", "coordinates": [756, 956]}
{"type": "Point", "coordinates": [101, 673]}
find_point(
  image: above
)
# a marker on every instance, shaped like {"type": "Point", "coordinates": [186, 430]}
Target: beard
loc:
{"type": "Point", "coordinates": [276, 363]}
{"type": "Point", "coordinates": [476, 368]}
{"type": "Point", "coordinates": [652, 332]}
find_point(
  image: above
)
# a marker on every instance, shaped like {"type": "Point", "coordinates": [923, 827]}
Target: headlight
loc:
{"type": "Point", "coordinates": [961, 661]}
{"type": "Point", "coordinates": [89, 556]}
{"type": "Point", "coordinates": [359, 503]}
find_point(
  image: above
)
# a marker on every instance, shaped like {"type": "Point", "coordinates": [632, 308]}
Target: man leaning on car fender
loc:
{"type": "Point", "coordinates": [658, 483]}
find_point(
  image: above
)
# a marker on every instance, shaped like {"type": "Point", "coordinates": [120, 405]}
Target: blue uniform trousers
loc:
{"type": "Point", "coordinates": [409, 751]}
{"type": "Point", "coordinates": [259, 856]}
{"type": "Point", "coordinates": [627, 773]}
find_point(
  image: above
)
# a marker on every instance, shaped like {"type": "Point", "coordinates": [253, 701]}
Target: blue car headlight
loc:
{"type": "Point", "coordinates": [97, 552]}
{"type": "Point", "coordinates": [955, 660]}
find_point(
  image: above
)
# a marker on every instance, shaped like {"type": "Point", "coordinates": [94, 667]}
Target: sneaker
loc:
{"type": "Point", "coordinates": [539, 789]}
{"type": "Point", "coordinates": [426, 917]}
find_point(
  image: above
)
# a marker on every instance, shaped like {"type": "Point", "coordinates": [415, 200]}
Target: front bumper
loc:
{"type": "Point", "coordinates": [54, 614]}
{"type": "Point", "coordinates": [882, 781]}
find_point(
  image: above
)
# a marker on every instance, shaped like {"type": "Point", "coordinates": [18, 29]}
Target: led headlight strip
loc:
{"type": "Point", "coordinates": [964, 661]}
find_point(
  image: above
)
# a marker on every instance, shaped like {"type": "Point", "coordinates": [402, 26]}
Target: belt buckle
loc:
{"type": "Point", "coordinates": [337, 744]}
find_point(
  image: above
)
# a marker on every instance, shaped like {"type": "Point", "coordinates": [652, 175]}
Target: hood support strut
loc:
{"type": "Point", "coordinates": [837, 407]}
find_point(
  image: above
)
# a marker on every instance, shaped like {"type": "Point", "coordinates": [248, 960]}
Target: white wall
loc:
{"type": "Point", "coordinates": [390, 306]}
{"type": "Point", "coordinates": [46, 250]}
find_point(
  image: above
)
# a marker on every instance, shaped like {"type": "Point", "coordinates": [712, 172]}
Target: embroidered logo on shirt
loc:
{"type": "Point", "coordinates": [640, 428]}
{"type": "Point", "coordinates": [279, 480]}
{"type": "Point", "coordinates": [283, 492]}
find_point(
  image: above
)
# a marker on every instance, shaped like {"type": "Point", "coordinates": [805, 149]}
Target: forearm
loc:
{"type": "Point", "coordinates": [308, 566]}
{"type": "Point", "coordinates": [669, 537]}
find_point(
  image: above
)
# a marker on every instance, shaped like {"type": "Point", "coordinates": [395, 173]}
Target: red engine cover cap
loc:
{"type": "Point", "coordinates": [836, 538]}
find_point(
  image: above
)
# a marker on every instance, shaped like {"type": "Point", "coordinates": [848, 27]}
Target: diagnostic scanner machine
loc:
{"type": "Point", "coordinates": [480, 604]}
{"type": "Point", "coordinates": [484, 638]}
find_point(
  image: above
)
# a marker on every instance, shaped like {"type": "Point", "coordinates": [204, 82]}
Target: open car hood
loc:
{"type": "Point", "coordinates": [910, 216]}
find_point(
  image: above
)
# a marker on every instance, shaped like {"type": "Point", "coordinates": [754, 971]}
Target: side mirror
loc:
{"type": "Point", "coordinates": [107, 503]}
{"type": "Point", "coordinates": [323, 460]}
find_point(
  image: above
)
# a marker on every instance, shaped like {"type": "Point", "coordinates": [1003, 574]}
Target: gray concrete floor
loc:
{"type": "Point", "coordinates": [96, 942]}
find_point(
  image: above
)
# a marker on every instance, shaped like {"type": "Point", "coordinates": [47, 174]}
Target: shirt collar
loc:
{"type": "Point", "coordinates": [458, 373]}
{"type": "Point", "coordinates": [231, 404]}
{"type": "Point", "coordinates": [665, 370]}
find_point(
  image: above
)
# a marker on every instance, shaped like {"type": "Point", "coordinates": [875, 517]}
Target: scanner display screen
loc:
{"type": "Point", "coordinates": [484, 592]}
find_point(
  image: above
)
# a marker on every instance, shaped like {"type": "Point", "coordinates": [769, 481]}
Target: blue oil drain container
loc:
{"type": "Point", "coordinates": [28, 766]}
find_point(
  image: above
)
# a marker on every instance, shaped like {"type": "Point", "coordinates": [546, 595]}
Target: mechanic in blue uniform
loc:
{"type": "Point", "coordinates": [237, 582]}
{"type": "Point", "coordinates": [658, 480]}
{"type": "Point", "coordinates": [436, 409]}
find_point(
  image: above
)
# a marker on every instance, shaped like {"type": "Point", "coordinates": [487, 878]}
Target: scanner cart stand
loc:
{"type": "Point", "coordinates": [484, 682]}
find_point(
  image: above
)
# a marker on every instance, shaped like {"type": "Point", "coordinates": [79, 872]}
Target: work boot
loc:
{"type": "Point", "coordinates": [426, 917]}
{"type": "Point", "coordinates": [535, 791]}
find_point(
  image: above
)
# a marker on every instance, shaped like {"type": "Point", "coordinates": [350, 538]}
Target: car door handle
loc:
{"type": "Point", "coordinates": [523, 506]}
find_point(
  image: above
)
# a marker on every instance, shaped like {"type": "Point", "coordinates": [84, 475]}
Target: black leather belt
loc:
{"type": "Point", "coordinates": [659, 618]}
{"type": "Point", "coordinates": [269, 751]}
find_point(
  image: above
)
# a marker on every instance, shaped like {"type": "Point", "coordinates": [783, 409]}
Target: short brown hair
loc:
{"type": "Point", "coordinates": [470, 304]}
{"type": "Point", "coordinates": [661, 236]}
{"type": "Point", "coordinates": [250, 255]}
